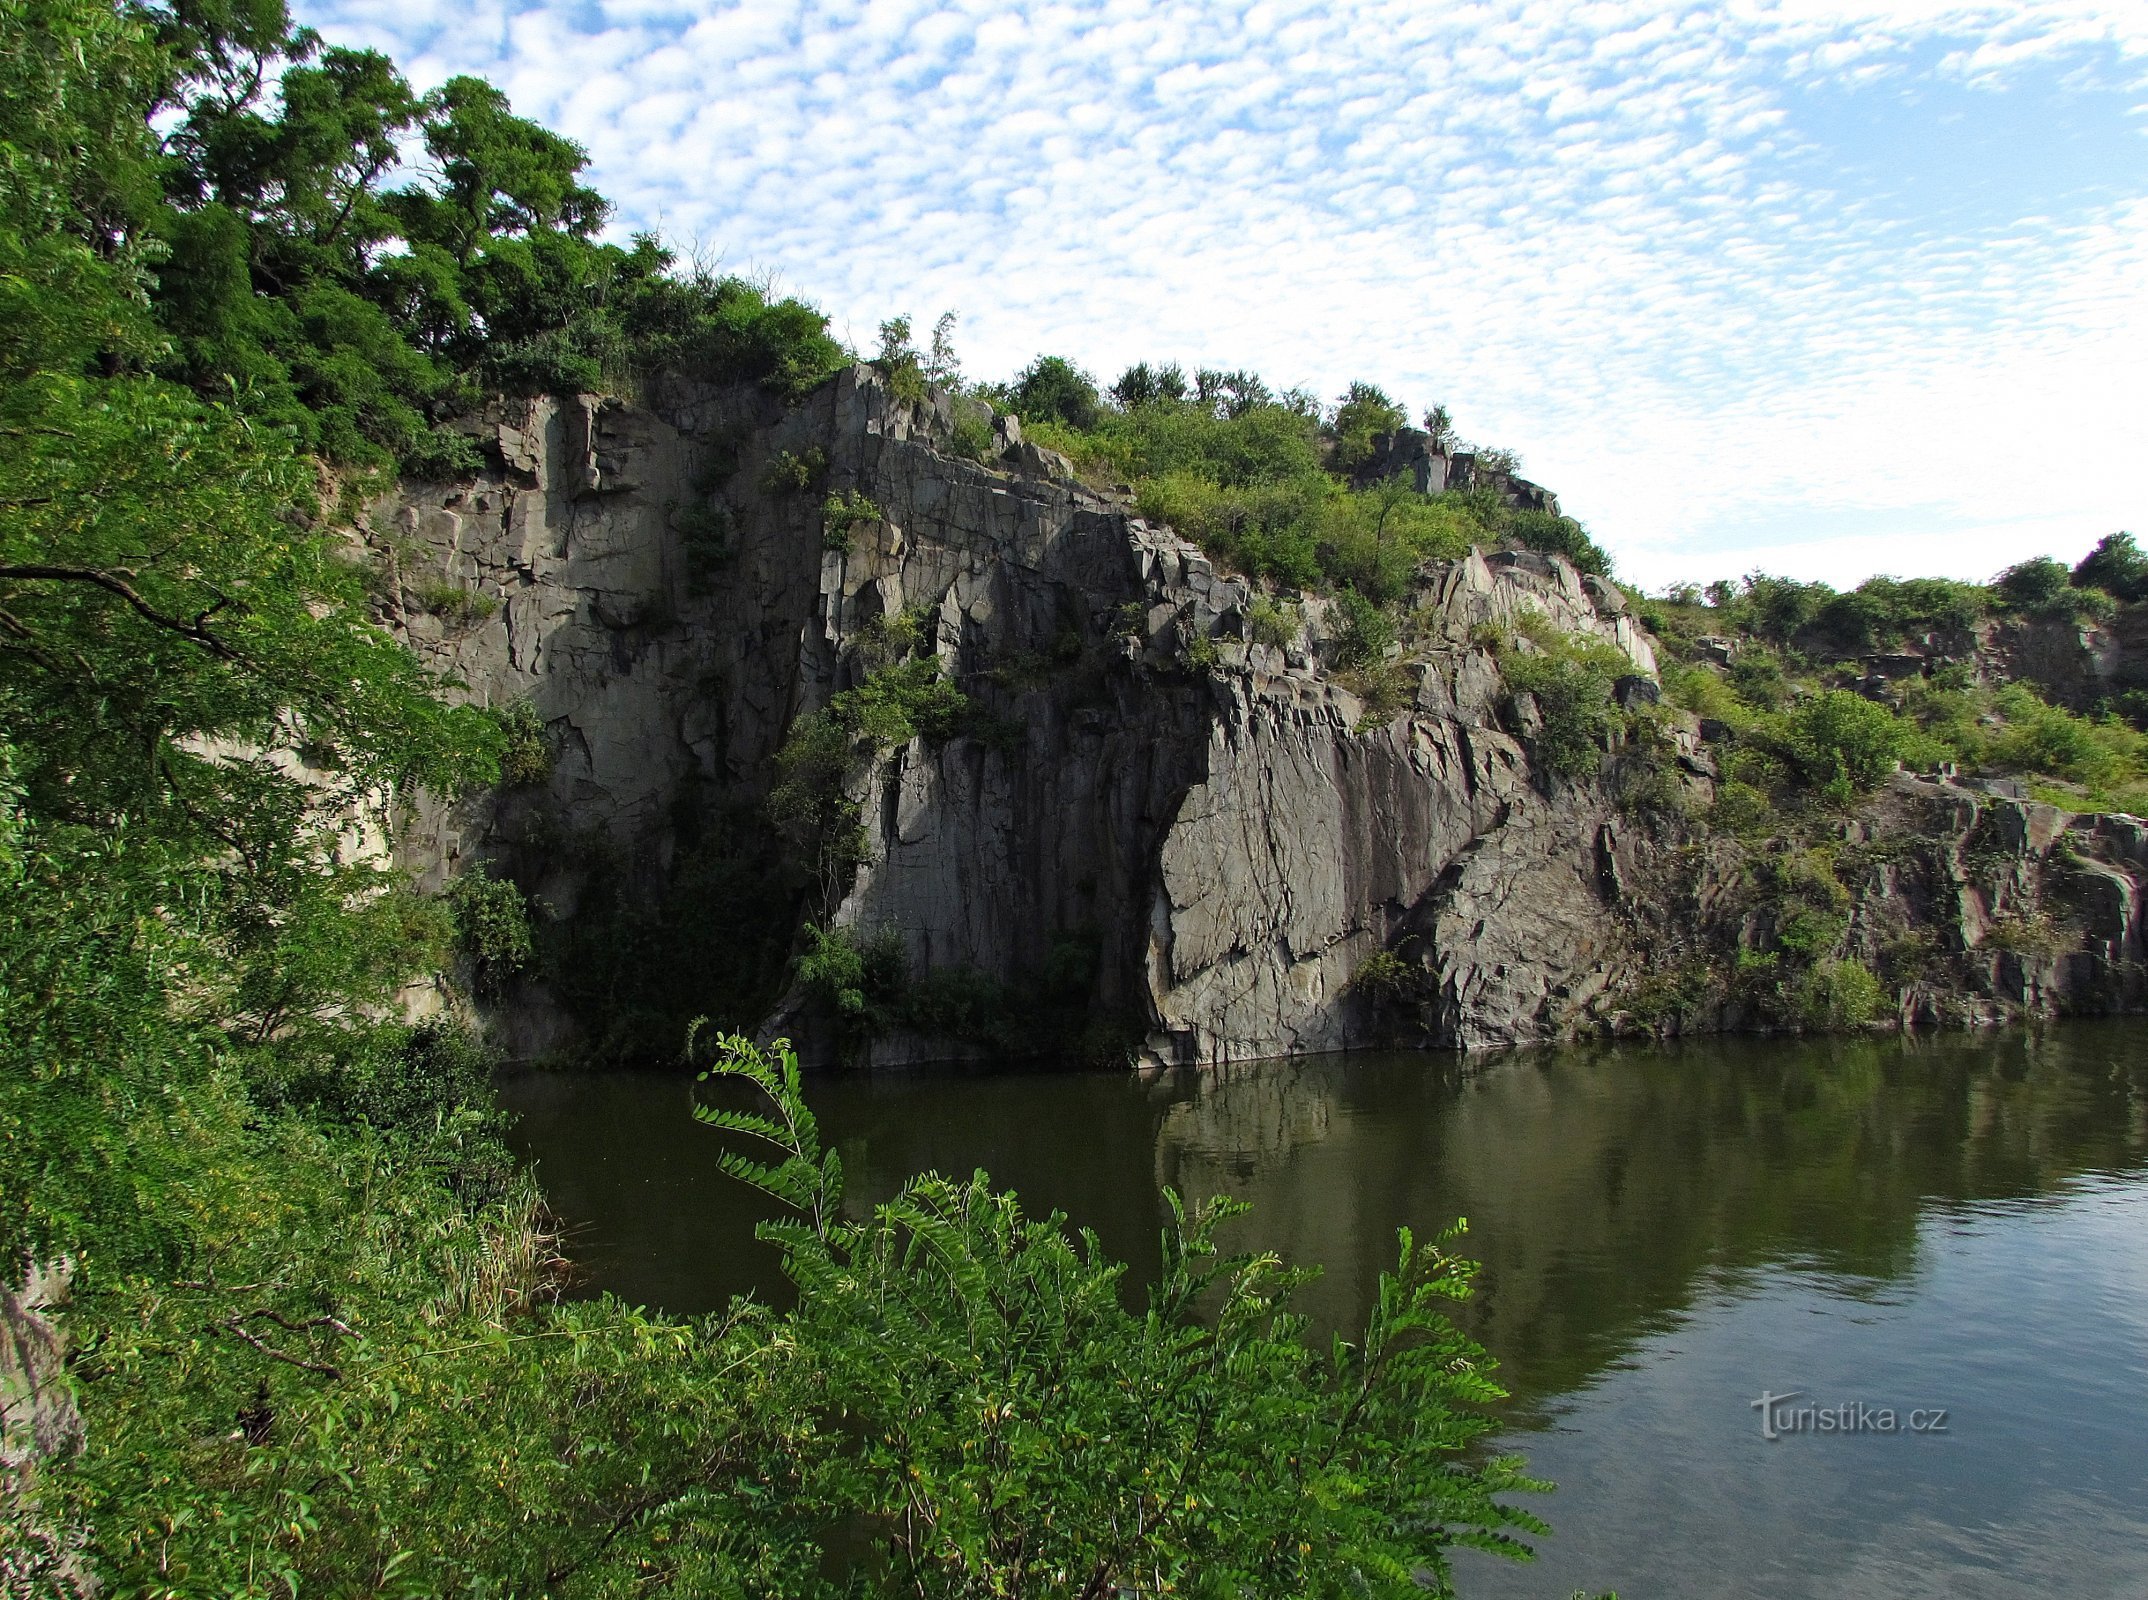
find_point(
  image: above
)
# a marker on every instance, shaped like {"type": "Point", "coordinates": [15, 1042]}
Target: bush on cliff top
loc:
{"type": "Point", "coordinates": [1257, 479]}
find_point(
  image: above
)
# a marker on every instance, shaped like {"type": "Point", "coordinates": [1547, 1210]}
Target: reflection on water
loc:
{"type": "Point", "coordinates": [1665, 1233]}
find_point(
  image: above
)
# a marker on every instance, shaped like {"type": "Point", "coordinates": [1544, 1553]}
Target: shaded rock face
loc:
{"type": "Point", "coordinates": [1218, 819]}
{"type": "Point", "coordinates": [1257, 861]}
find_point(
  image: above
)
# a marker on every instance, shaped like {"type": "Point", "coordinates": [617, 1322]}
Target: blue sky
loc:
{"type": "Point", "coordinates": [1824, 287]}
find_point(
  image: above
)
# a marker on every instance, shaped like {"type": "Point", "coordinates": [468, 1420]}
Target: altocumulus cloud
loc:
{"type": "Point", "coordinates": [1827, 287]}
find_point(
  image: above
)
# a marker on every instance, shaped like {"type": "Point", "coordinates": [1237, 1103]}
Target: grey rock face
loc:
{"type": "Point", "coordinates": [1223, 822]}
{"type": "Point", "coordinates": [1219, 818]}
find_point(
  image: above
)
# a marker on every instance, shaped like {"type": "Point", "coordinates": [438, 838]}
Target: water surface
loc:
{"type": "Point", "coordinates": [1666, 1234]}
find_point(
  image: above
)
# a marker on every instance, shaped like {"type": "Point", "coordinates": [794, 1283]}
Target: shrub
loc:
{"type": "Point", "coordinates": [2033, 585]}
{"type": "Point", "coordinates": [1704, 692]}
{"type": "Point", "coordinates": [2029, 934]}
{"type": "Point", "coordinates": [790, 473]}
{"type": "Point", "coordinates": [2044, 588]}
{"type": "Point", "coordinates": [909, 700]}
{"type": "Point", "coordinates": [492, 926]}
{"type": "Point", "coordinates": [2117, 566]}
{"type": "Point", "coordinates": [1571, 680]}
{"type": "Point", "coordinates": [1844, 740]}
{"type": "Point", "coordinates": [890, 638]}
{"type": "Point", "coordinates": [841, 514]}
{"type": "Point", "coordinates": [2101, 754]}
{"type": "Point", "coordinates": [1741, 809]}
{"type": "Point", "coordinates": [1646, 784]}
{"type": "Point", "coordinates": [1756, 673]}
{"type": "Point", "coordinates": [526, 754]}
{"type": "Point", "coordinates": [971, 436]}
{"type": "Point", "coordinates": [1008, 1424]}
{"type": "Point", "coordinates": [1839, 994]}
{"type": "Point", "coordinates": [707, 530]}
{"type": "Point", "coordinates": [1273, 623]}
{"type": "Point", "coordinates": [1366, 631]}
{"type": "Point", "coordinates": [1144, 385]}
{"type": "Point", "coordinates": [1551, 534]}
{"type": "Point", "coordinates": [444, 597]}
{"type": "Point", "coordinates": [1382, 974]}
{"type": "Point", "coordinates": [1776, 608]}
{"type": "Point", "coordinates": [1806, 933]}
{"type": "Point", "coordinates": [899, 362]}
{"type": "Point", "coordinates": [441, 455]}
{"type": "Point", "coordinates": [1882, 610]}
{"type": "Point", "coordinates": [1363, 411]}
{"type": "Point", "coordinates": [860, 982]}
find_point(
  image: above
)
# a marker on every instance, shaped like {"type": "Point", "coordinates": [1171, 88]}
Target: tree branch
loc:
{"type": "Point", "coordinates": [196, 632]}
{"type": "Point", "coordinates": [237, 1325]}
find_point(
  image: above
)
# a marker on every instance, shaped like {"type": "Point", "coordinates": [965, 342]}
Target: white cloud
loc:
{"type": "Point", "coordinates": [1621, 237]}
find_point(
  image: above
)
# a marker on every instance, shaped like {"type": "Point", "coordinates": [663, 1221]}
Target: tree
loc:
{"type": "Point", "coordinates": [1053, 389]}
{"type": "Point", "coordinates": [2117, 565]}
{"type": "Point", "coordinates": [1363, 411]}
{"type": "Point", "coordinates": [2034, 584]}
{"type": "Point", "coordinates": [1143, 385]}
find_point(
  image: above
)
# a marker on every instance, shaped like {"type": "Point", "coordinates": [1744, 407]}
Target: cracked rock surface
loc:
{"type": "Point", "coordinates": [1221, 819]}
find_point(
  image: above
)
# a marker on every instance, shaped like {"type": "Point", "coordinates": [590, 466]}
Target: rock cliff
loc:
{"type": "Point", "coordinates": [1250, 851]}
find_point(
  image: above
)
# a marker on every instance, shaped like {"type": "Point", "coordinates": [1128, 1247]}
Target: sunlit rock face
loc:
{"type": "Point", "coordinates": [1225, 827]}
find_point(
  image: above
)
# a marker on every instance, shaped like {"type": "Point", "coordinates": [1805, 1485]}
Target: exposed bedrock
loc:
{"type": "Point", "coordinates": [1222, 821]}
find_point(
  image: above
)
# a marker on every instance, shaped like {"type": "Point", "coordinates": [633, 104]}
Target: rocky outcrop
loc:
{"type": "Point", "coordinates": [1253, 852]}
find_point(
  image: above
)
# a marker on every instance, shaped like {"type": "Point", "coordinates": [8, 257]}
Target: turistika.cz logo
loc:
{"type": "Point", "coordinates": [1779, 1417]}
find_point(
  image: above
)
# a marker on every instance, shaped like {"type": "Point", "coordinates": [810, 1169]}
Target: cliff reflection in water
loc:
{"type": "Point", "coordinates": [1604, 1188]}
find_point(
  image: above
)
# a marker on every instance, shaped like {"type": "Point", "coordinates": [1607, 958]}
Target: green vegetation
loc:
{"type": "Point", "coordinates": [526, 748]}
{"type": "Point", "coordinates": [315, 1316]}
{"type": "Point", "coordinates": [841, 514]}
{"type": "Point", "coordinates": [1809, 699]}
{"type": "Point", "coordinates": [492, 927]}
{"type": "Point", "coordinates": [1806, 725]}
{"type": "Point", "coordinates": [1262, 481]}
{"type": "Point", "coordinates": [1274, 623]}
{"type": "Point", "coordinates": [898, 701]}
{"type": "Point", "coordinates": [999, 1421]}
{"type": "Point", "coordinates": [257, 254]}
{"type": "Point", "coordinates": [791, 472]}
{"type": "Point", "coordinates": [1569, 681]}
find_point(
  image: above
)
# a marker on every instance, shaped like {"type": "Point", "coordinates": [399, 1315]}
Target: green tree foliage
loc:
{"type": "Point", "coordinates": [1365, 630]}
{"type": "Point", "coordinates": [283, 274]}
{"type": "Point", "coordinates": [1878, 614]}
{"type": "Point", "coordinates": [1246, 473]}
{"type": "Point", "coordinates": [2117, 566]}
{"type": "Point", "coordinates": [1363, 411]}
{"type": "Point", "coordinates": [1053, 389]}
{"type": "Point", "coordinates": [2033, 585]}
{"type": "Point", "coordinates": [198, 708]}
{"type": "Point", "coordinates": [314, 1329]}
{"type": "Point", "coordinates": [1001, 1422]}
{"type": "Point", "coordinates": [1143, 385]}
{"type": "Point", "coordinates": [1845, 740]}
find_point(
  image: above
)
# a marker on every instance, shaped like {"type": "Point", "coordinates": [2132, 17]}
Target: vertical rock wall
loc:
{"type": "Point", "coordinates": [1221, 822]}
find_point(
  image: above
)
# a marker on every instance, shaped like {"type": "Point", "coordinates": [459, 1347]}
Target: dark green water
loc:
{"type": "Point", "coordinates": [1666, 1233]}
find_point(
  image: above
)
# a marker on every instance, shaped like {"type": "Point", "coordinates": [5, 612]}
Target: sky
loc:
{"type": "Point", "coordinates": [1826, 288]}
